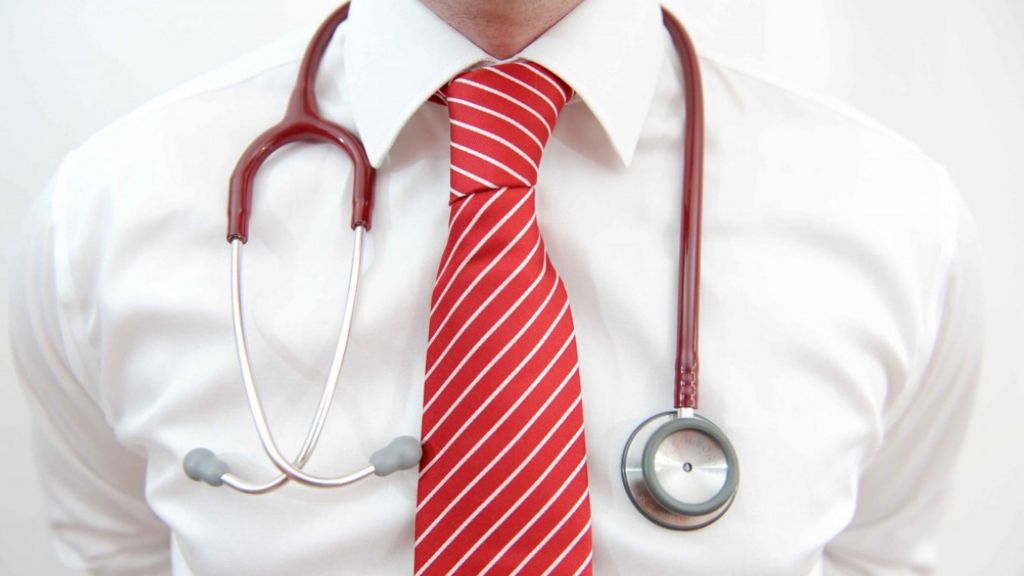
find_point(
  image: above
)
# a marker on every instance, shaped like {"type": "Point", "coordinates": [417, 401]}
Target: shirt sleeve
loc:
{"type": "Point", "coordinates": [901, 492]}
{"type": "Point", "coordinates": [94, 485]}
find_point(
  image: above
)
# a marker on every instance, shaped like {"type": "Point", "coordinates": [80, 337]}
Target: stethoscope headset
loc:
{"type": "Point", "coordinates": [678, 468]}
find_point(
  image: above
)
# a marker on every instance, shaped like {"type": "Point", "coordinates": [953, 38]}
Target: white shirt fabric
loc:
{"type": "Point", "coordinates": [840, 333]}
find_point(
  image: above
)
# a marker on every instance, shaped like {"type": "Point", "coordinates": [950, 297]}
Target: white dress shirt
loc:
{"type": "Point", "coordinates": [840, 332]}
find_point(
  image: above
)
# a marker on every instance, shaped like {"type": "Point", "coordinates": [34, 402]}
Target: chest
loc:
{"type": "Point", "coordinates": [801, 343]}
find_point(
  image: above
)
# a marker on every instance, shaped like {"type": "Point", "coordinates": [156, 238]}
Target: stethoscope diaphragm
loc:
{"type": "Point", "coordinates": [680, 470]}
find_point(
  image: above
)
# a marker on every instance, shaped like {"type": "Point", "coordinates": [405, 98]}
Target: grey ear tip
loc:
{"type": "Point", "coordinates": [193, 459]}
{"type": "Point", "coordinates": [402, 453]}
{"type": "Point", "coordinates": [409, 443]}
{"type": "Point", "coordinates": [202, 465]}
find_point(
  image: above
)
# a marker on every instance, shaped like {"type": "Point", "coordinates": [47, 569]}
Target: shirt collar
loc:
{"type": "Point", "coordinates": [398, 52]}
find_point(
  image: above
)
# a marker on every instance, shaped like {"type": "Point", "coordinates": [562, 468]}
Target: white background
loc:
{"type": "Point", "coordinates": [948, 74]}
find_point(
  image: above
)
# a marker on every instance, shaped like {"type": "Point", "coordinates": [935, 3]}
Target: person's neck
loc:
{"type": "Point", "coordinates": [502, 28]}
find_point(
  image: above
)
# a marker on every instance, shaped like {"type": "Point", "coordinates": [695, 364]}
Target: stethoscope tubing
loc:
{"type": "Point", "coordinates": [303, 122]}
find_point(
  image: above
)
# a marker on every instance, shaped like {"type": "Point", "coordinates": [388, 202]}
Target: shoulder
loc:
{"type": "Point", "coordinates": [800, 153]}
{"type": "Point", "coordinates": [206, 106]}
{"type": "Point", "coordinates": [180, 146]}
{"type": "Point", "coordinates": [160, 173]}
{"type": "Point", "coordinates": [807, 126]}
{"type": "Point", "coordinates": [225, 108]}
{"type": "Point", "coordinates": [812, 175]}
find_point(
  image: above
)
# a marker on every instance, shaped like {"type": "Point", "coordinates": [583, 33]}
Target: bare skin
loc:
{"type": "Point", "coordinates": [501, 27]}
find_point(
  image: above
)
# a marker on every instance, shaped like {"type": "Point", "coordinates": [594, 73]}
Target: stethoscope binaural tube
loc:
{"type": "Point", "coordinates": [403, 452]}
{"type": "Point", "coordinates": [203, 464]}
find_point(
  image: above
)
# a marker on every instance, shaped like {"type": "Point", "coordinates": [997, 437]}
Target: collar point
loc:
{"type": "Point", "coordinates": [377, 157]}
{"type": "Point", "coordinates": [624, 152]}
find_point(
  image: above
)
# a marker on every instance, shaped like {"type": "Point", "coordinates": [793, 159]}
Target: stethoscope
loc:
{"type": "Point", "coordinates": [678, 468]}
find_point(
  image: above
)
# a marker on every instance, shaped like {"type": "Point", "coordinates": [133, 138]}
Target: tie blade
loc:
{"type": "Point", "coordinates": [503, 481]}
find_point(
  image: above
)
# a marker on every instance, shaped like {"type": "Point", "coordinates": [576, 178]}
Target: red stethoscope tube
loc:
{"type": "Point", "coordinates": [303, 122]}
{"type": "Point", "coordinates": [686, 381]}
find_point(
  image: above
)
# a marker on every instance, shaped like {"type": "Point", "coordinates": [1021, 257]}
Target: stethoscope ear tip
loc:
{"type": "Point", "coordinates": [202, 465]}
{"type": "Point", "coordinates": [402, 453]}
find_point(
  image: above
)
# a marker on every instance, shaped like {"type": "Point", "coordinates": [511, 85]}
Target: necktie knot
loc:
{"type": "Point", "coordinates": [501, 118]}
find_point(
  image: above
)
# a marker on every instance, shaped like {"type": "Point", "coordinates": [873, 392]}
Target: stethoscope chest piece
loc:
{"type": "Point", "coordinates": [680, 471]}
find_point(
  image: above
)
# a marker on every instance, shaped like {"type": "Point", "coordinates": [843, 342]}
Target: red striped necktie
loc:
{"type": "Point", "coordinates": [503, 482]}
